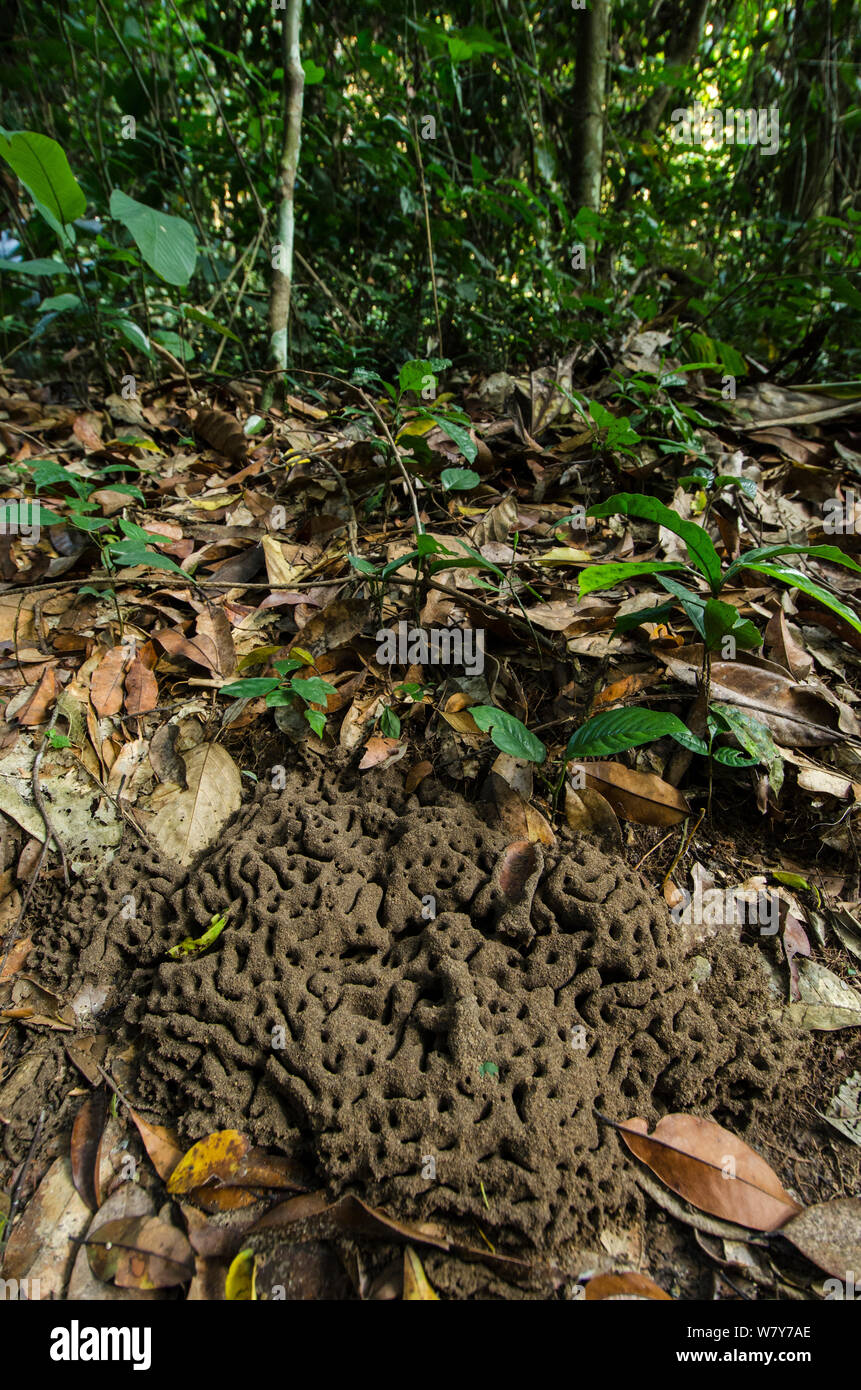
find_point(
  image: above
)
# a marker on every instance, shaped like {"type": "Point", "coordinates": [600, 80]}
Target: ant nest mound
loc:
{"type": "Point", "coordinates": [429, 1019]}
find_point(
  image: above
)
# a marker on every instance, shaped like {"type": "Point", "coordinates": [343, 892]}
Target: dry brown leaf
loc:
{"type": "Point", "coordinates": [40, 1245]}
{"type": "Point", "coordinates": [334, 626]}
{"type": "Point", "coordinates": [215, 628]}
{"type": "Point", "coordinates": [35, 710]}
{"type": "Point", "coordinates": [201, 650]}
{"type": "Point", "coordinates": [417, 775]}
{"type": "Point", "coordinates": [642, 797]}
{"type": "Point", "coordinates": [712, 1169]}
{"type": "Point", "coordinates": [797, 715]}
{"type": "Point", "coordinates": [516, 817]}
{"type": "Point", "coordinates": [160, 1143]}
{"type": "Point", "coordinates": [624, 1285]}
{"type": "Point", "coordinates": [829, 1234]}
{"type": "Point", "coordinates": [782, 641]}
{"type": "Point", "coordinates": [187, 821]}
{"type": "Point", "coordinates": [588, 812]}
{"type": "Point", "coordinates": [86, 1147]}
{"type": "Point", "coordinates": [141, 684]}
{"type": "Point", "coordinates": [381, 752]}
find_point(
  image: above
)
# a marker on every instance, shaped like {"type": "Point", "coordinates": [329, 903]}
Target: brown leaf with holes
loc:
{"type": "Point", "coordinates": [712, 1169]}
{"type": "Point", "coordinates": [222, 433]}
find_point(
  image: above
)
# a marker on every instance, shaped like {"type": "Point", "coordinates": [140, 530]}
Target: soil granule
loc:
{"type": "Point", "coordinates": [445, 1065]}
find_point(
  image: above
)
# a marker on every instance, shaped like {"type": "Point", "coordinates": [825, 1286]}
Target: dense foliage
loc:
{"type": "Point", "coordinates": [735, 248]}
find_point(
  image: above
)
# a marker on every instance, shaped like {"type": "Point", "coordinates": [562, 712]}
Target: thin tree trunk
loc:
{"type": "Point", "coordinates": [282, 278]}
{"type": "Point", "coordinates": [591, 78]}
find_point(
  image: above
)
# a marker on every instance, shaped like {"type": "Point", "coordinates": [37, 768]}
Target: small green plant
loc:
{"type": "Point", "coordinates": [194, 946]}
{"type": "Point", "coordinates": [714, 620]}
{"type": "Point", "coordinates": [287, 689]}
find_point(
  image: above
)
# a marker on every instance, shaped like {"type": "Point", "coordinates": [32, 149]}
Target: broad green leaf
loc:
{"type": "Point", "coordinates": [133, 553]}
{"type": "Point", "coordinates": [721, 620]}
{"type": "Point", "coordinates": [797, 580]}
{"type": "Point", "coordinates": [60, 303]}
{"type": "Point", "coordinates": [37, 267]}
{"type": "Point", "coordinates": [508, 734]}
{"type": "Point", "coordinates": [313, 73]}
{"type": "Point", "coordinates": [317, 719]}
{"type": "Point", "coordinates": [250, 688]}
{"type": "Point", "coordinates": [134, 335]}
{"type": "Point", "coordinates": [459, 434]}
{"type": "Point", "coordinates": [166, 243]}
{"type": "Point", "coordinates": [362, 565]}
{"type": "Point", "coordinates": [20, 517]}
{"type": "Point", "coordinates": [459, 479]}
{"type": "Point", "coordinates": [43, 168]}
{"type": "Point", "coordinates": [618, 729]}
{"type": "Point", "coordinates": [390, 724]}
{"type": "Point", "coordinates": [734, 757]}
{"type": "Point", "coordinates": [313, 689]}
{"type": "Point", "coordinates": [756, 740]}
{"type": "Point", "coordinates": [699, 543]}
{"type": "Point", "coordinates": [607, 576]}
{"type": "Point", "coordinates": [767, 552]}
{"type": "Point", "coordinates": [416, 375]}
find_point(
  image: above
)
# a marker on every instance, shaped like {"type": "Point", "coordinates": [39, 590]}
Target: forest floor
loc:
{"type": "Point", "coordinates": [312, 980]}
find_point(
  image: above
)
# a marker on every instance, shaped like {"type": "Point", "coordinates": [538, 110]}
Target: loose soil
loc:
{"type": "Point", "coordinates": [433, 1065]}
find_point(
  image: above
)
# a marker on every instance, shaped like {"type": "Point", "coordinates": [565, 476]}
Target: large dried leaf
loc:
{"type": "Point", "coordinates": [188, 821]}
{"type": "Point", "coordinates": [713, 1169]}
{"type": "Point", "coordinates": [829, 1234]}
{"type": "Point", "coordinates": [141, 684]}
{"type": "Point", "coordinates": [796, 715]}
{"type": "Point", "coordinates": [826, 1002]}
{"type": "Point", "coordinates": [160, 1143]}
{"type": "Point", "coordinates": [642, 797]}
{"type": "Point", "coordinates": [226, 1159]}
{"type": "Point", "coordinates": [41, 1244]}
{"type": "Point", "coordinates": [106, 686]}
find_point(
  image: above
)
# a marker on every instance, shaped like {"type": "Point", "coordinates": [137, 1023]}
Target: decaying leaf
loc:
{"type": "Point", "coordinates": [713, 1169]}
{"type": "Point", "coordinates": [642, 797]}
{"type": "Point", "coordinates": [188, 821]}
{"type": "Point", "coordinates": [829, 1234]}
